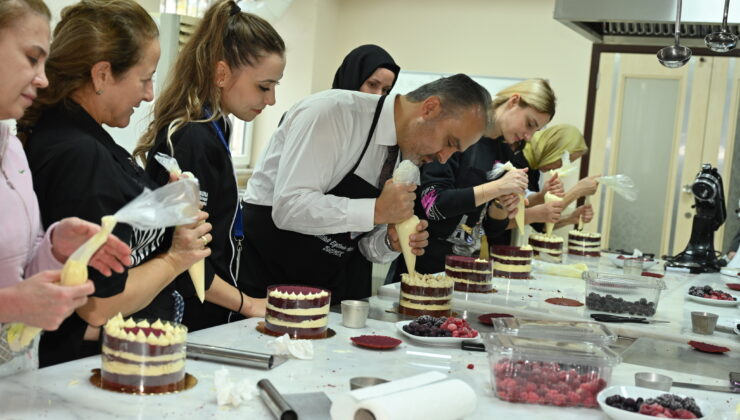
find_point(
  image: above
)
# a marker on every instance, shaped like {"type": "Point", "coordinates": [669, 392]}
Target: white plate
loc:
{"type": "Point", "coordinates": [706, 408]}
{"type": "Point", "coordinates": [620, 262]}
{"type": "Point", "coordinates": [715, 302]}
{"type": "Point", "coordinates": [435, 341]}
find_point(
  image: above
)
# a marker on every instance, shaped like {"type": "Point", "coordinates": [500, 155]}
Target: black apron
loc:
{"type": "Point", "coordinates": [275, 256]}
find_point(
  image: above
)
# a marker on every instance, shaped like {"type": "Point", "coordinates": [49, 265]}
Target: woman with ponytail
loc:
{"type": "Point", "coordinates": [230, 66]}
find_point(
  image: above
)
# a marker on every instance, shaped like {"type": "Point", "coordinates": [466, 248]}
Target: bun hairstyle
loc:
{"type": "Point", "coordinates": [115, 31]}
{"type": "Point", "coordinates": [225, 33]}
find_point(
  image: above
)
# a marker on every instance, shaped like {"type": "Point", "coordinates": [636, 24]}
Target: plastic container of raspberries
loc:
{"type": "Point", "coordinates": [592, 332]}
{"type": "Point", "coordinates": [622, 294]}
{"type": "Point", "coordinates": [540, 371]}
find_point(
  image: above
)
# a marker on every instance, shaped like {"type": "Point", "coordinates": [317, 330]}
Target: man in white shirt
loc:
{"type": "Point", "coordinates": [319, 191]}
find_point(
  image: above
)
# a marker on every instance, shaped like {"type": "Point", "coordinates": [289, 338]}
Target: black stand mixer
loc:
{"type": "Point", "coordinates": [709, 202]}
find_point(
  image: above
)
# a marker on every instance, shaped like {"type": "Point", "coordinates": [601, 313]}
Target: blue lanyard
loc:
{"type": "Point", "coordinates": [238, 228]}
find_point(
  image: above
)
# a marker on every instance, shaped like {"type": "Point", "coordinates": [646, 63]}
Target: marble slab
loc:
{"type": "Point", "coordinates": [64, 391]}
{"type": "Point", "coordinates": [526, 298]}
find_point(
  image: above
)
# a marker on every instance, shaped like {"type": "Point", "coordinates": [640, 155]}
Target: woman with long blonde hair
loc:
{"type": "Point", "coordinates": [230, 66]}
{"type": "Point", "coordinates": [459, 200]}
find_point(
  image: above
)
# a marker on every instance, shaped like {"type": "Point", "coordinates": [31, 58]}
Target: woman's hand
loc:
{"type": "Point", "coordinates": [585, 212]}
{"type": "Point", "coordinates": [254, 307]}
{"type": "Point", "coordinates": [513, 182]}
{"type": "Point", "coordinates": [70, 233]}
{"type": "Point", "coordinates": [189, 244]}
{"type": "Point", "coordinates": [586, 186]}
{"type": "Point", "coordinates": [418, 240]}
{"type": "Point", "coordinates": [545, 213]}
{"type": "Point", "coordinates": [554, 186]}
{"type": "Point", "coordinates": [41, 302]}
{"type": "Point", "coordinates": [510, 203]}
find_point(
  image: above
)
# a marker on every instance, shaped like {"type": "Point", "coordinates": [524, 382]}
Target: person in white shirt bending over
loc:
{"type": "Point", "coordinates": [320, 190]}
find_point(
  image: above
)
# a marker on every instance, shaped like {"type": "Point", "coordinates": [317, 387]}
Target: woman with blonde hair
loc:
{"type": "Point", "coordinates": [100, 66]}
{"type": "Point", "coordinates": [459, 200]}
{"type": "Point", "coordinates": [230, 66]}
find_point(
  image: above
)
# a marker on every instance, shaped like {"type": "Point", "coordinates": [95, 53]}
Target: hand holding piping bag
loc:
{"type": "Point", "coordinates": [407, 173]}
{"type": "Point", "coordinates": [196, 271]}
{"type": "Point", "coordinates": [519, 217]}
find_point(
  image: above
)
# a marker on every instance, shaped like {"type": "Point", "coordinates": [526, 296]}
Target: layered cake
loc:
{"type": "Point", "coordinates": [426, 294]}
{"type": "Point", "coordinates": [143, 358]}
{"type": "Point", "coordinates": [299, 311]}
{"type": "Point", "coordinates": [549, 244]}
{"type": "Point", "coordinates": [469, 274]}
{"type": "Point", "coordinates": [512, 262]}
{"type": "Point", "coordinates": [584, 243]}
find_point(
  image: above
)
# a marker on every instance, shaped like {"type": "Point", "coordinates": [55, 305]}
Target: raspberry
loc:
{"type": "Point", "coordinates": [451, 327]}
{"type": "Point", "coordinates": [471, 366]}
{"type": "Point", "coordinates": [531, 387]}
{"type": "Point", "coordinates": [684, 414]}
{"type": "Point", "coordinates": [532, 398]}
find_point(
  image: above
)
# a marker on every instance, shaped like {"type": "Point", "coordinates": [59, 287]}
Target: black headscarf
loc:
{"type": "Point", "coordinates": [360, 64]}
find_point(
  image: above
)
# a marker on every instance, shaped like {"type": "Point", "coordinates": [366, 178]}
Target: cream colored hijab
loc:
{"type": "Point", "coordinates": [548, 145]}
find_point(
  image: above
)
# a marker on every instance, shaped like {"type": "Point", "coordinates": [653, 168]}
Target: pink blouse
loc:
{"type": "Point", "coordinates": [24, 248]}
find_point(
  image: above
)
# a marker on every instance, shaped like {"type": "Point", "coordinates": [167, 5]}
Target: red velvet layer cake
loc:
{"type": "Point", "coordinates": [426, 294]}
{"type": "Point", "coordinates": [551, 245]}
{"type": "Point", "coordinates": [469, 274]}
{"type": "Point", "coordinates": [584, 243]}
{"type": "Point", "coordinates": [143, 358]}
{"type": "Point", "coordinates": [512, 262]}
{"type": "Point", "coordinates": [299, 311]}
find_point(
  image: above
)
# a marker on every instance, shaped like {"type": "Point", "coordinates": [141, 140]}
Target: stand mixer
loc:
{"type": "Point", "coordinates": [709, 202]}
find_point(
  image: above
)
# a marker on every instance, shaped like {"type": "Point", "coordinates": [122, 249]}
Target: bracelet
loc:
{"type": "Point", "coordinates": [498, 204]}
{"type": "Point", "coordinates": [241, 301]}
{"type": "Point", "coordinates": [388, 242]}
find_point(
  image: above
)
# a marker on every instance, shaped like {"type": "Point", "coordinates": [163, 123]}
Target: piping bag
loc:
{"type": "Point", "coordinates": [407, 173]}
{"type": "Point", "coordinates": [196, 271]}
{"type": "Point", "coordinates": [620, 184]}
{"type": "Point", "coordinates": [176, 203]}
{"type": "Point", "coordinates": [495, 173]}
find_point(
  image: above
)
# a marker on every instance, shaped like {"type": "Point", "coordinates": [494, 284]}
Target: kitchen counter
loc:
{"type": "Point", "coordinates": [526, 298]}
{"type": "Point", "coordinates": [64, 391]}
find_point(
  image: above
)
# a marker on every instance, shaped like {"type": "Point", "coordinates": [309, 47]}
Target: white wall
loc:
{"type": "Point", "coordinates": [504, 38]}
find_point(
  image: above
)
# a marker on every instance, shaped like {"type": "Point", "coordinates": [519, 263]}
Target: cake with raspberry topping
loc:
{"type": "Point", "coordinates": [142, 357]}
{"type": "Point", "coordinates": [548, 244]}
{"type": "Point", "coordinates": [512, 262]}
{"type": "Point", "coordinates": [426, 294]}
{"type": "Point", "coordinates": [585, 244]}
{"type": "Point", "coordinates": [299, 311]}
{"type": "Point", "coordinates": [469, 274]}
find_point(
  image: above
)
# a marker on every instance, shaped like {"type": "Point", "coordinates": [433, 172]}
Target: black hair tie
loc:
{"type": "Point", "coordinates": [235, 9]}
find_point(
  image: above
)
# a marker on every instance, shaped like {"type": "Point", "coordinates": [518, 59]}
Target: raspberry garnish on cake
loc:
{"type": "Point", "coordinates": [143, 357]}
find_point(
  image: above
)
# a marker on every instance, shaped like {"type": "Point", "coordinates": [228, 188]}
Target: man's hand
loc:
{"type": "Point", "coordinates": [418, 240]}
{"type": "Point", "coordinates": [395, 204]}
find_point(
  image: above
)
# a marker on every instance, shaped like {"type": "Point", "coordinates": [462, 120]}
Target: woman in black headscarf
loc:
{"type": "Point", "coordinates": [367, 68]}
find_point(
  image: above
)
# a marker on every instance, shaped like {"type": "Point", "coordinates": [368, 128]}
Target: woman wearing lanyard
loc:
{"type": "Point", "coordinates": [230, 65]}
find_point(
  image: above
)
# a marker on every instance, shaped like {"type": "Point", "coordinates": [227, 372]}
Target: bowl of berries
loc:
{"type": "Point", "coordinates": [438, 331]}
{"type": "Point", "coordinates": [709, 296]}
{"type": "Point", "coordinates": [635, 403]}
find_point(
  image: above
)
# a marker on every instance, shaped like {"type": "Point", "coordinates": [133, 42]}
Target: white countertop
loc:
{"type": "Point", "coordinates": [64, 391]}
{"type": "Point", "coordinates": [526, 298]}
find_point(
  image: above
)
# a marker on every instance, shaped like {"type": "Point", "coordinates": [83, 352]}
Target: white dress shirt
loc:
{"type": "Point", "coordinates": [318, 142]}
